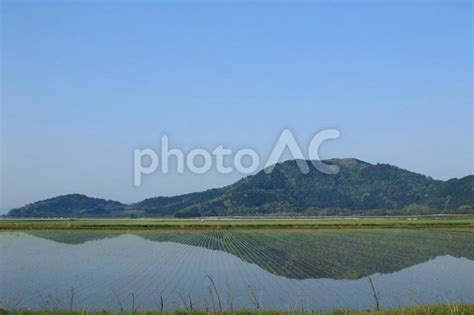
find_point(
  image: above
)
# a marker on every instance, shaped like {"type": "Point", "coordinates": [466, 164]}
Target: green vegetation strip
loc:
{"type": "Point", "coordinates": [458, 309]}
{"type": "Point", "coordinates": [465, 223]}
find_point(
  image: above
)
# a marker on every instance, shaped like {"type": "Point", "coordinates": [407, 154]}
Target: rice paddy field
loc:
{"type": "Point", "coordinates": [457, 222]}
{"type": "Point", "coordinates": [224, 266]}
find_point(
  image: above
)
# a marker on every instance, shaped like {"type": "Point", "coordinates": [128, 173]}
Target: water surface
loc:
{"type": "Point", "coordinates": [308, 270]}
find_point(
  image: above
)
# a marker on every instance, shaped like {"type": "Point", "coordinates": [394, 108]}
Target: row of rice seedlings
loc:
{"type": "Point", "coordinates": [223, 266]}
{"type": "Point", "coordinates": [295, 292]}
{"type": "Point", "coordinates": [205, 259]}
{"type": "Point", "coordinates": [258, 257]}
{"type": "Point", "coordinates": [344, 253]}
{"type": "Point", "coordinates": [273, 251]}
{"type": "Point", "coordinates": [250, 278]}
{"type": "Point", "coordinates": [312, 253]}
{"type": "Point", "coordinates": [170, 279]}
{"type": "Point", "coordinates": [354, 248]}
{"type": "Point", "coordinates": [277, 244]}
{"type": "Point", "coordinates": [183, 271]}
{"type": "Point", "coordinates": [347, 245]}
{"type": "Point", "coordinates": [34, 283]}
{"type": "Point", "coordinates": [144, 270]}
{"type": "Point", "coordinates": [175, 255]}
{"type": "Point", "coordinates": [308, 244]}
{"type": "Point", "coordinates": [315, 251]}
{"type": "Point", "coordinates": [252, 282]}
{"type": "Point", "coordinates": [88, 289]}
{"type": "Point", "coordinates": [231, 248]}
{"type": "Point", "coordinates": [259, 249]}
{"type": "Point", "coordinates": [223, 246]}
{"type": "Point", "coordinates": [297, 265]}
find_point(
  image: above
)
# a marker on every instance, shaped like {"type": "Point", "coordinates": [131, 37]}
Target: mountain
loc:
{"type": "Point", "coordinates": [73, 205]}
{"type": "Point", "coordinates": [358, 188]}
{"type": "Point", "coordinates": [453, 194]}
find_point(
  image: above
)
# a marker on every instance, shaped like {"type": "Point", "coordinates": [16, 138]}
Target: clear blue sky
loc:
{"type": "Point", "coordinates": [85, 83]}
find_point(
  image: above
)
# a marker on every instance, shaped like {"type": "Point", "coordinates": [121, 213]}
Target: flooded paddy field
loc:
{"type": "Point", "coordinates": [235, 269]}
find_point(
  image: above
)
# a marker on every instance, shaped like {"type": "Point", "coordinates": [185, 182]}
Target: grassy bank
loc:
{"type": "Point", "coordinates": [458, 309]}
{"type": "Point", "coordinates": [465, 223]}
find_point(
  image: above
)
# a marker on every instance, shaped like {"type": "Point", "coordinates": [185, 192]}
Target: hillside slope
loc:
{"type": "Point", "coordinates": [73, 205]}
{"type": "Point", "coordinates": [358, 188]}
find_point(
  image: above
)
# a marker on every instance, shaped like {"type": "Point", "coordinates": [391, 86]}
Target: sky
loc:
{"type": "Point", "coordinates": [85, 83]}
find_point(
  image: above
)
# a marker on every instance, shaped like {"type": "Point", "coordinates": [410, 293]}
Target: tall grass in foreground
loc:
{"type": "Point", "coordinates": [52, 306]}
{"type": "Point", "coordinates": [455, 309]}
{"type": "Point", "coordinates": [441, 309]}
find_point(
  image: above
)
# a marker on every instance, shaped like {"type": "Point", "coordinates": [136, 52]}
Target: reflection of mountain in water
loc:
{"type": "Point", "coordinates": [309, 254]}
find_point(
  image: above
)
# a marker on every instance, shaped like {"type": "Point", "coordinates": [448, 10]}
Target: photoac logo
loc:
{"type": "Point", "coordinates": [215, 158]}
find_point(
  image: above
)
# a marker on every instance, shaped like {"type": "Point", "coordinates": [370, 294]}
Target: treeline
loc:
{"type": "Point", "coordinates": [360, 188]}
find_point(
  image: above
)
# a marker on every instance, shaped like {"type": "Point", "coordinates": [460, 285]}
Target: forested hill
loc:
{"type": "Point", "coordinates": [358, 188]}
{"type": "Point", "coordinates": [72, 206]}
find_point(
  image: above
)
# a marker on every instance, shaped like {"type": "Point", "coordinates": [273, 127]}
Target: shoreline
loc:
{"type": "Point", "coordinates": [446, 223]}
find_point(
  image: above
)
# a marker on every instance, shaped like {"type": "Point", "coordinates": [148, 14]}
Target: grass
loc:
{"type": "Point", "coordinates": [455, 309]}
{"type": "Point", "coordinates": [465, 223]}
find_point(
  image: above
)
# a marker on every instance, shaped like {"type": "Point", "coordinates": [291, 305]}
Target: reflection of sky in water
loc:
{"type": "Point", "coordinates": [36, 272]}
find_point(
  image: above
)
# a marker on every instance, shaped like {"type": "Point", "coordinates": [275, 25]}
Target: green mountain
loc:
{"type": "Point", "coordinates": [73, 205]}
{"type": "Point", "coordinates": [358, 188]}
{"type": "Point", "coordinates": [453, 194]}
